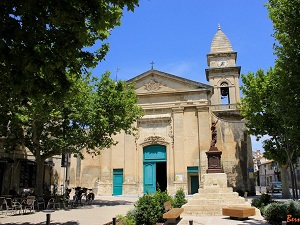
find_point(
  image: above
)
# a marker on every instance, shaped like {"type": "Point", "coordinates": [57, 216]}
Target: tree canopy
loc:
{"type": "Point", "coordinates": [91, 113]}
{"type": "Point", "coordinates": [285, 17]}
{"type": "Point", "coordinates": [271, 100]}
{"type": "Point", "coordinates": [41, 42]}
{"type": "Point", "coordinates": [49, 103]}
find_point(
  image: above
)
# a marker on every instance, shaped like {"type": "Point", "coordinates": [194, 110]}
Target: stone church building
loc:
{"type": "Point", "coordinates": [172, 138]}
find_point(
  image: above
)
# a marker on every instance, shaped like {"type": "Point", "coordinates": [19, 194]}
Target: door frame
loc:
{"type": "Point", "coordinates": [192, 171]}
{"type": "Point", "coordinates": [117, 173]}
{"type": "Point", "coordinates": [151, 155]}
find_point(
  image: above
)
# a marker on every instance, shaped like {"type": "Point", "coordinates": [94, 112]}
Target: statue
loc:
{"type": "Point", "coordinates": [213, 134]}
{"type": "Point", "coordinates": [213, 154]}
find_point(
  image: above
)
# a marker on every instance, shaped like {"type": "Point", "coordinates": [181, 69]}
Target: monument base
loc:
{"type": "Point", "coordinates": [213, 196]}
{"type": "Point", "coordinates": [216, 180]}
{"type": "Point", "coordinates": [214, 171]}
{"type": "Point", "coordinates": [214, 160]}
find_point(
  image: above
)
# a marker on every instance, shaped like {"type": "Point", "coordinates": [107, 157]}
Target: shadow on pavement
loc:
{"type": "Point", "coordinates": [249, 221]}
{"type": "Point", "coordinates": [100, 203]}
{"type": "Point", "coordinates": [43, 223]}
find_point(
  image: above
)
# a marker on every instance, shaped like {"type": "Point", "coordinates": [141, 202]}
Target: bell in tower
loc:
{"type": "Point", "coordinates": [223, 74]}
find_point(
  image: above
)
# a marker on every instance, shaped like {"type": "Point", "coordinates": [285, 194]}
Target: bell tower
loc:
{"type": "Point", "coordinates": [223, 74]}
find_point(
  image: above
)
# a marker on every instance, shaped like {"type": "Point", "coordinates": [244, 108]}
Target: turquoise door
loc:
{"type": "Point", "coordinates": [194, 184]}
{"type": "Point", "coordinates": [117, 181]}
{"type": "Point", "coordinates": [150, 178]}
{"type": "Point", "coordinates": [194, 179]}
{"type": "Point", "coordinates": [152, 155]}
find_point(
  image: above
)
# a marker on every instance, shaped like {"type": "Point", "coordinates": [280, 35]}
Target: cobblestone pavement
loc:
{"type": "Point", "coordinates": [107, 207]}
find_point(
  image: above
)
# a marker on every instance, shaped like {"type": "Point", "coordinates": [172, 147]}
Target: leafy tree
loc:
{"type": "Point", "coordinates": [264, 117]}
{"type": "Point", "coordinates": [271, 100]}
{"type": "Point", "coordinates": [48, 103]}
{"type": "Point", "coordinates": [88, 117]}
{"type": "Point", "coordinates": [285, 17]}
{"type": "Point", "coordinates": [42, 42]}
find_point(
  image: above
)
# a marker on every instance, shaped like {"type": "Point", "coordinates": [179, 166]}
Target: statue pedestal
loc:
{"type": "Point", "coordinates": [216, 180]}
{"type": "Point", "coordinates": [213, 196]}
{"type": "Point", "coordinates": [214, 160]}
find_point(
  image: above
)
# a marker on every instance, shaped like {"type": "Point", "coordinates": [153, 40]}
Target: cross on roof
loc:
{"type": "Point", "coordinates": [152, 63]}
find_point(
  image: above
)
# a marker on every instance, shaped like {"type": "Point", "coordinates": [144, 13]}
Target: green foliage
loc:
{"type": "Point", "coordinates": [266, 199]}
{"type": "Point", "coordinates": [256, 202]}
{"type": "Point", "coordinates": [42, 41]}
{"type": "Point", "coordinates": [271, 101]}
{"type": "Point", "coordinates": [161, 197]}
{"type": "Point", "coordinates": [92, 111]}
{"type": "Point", "coordinates": [48, 100]}
{"type": "Point", "coordinates": [257, 105]}
{"type": "Point", "coordinates": [179, 199]}
{"type": "Point", "coordinates": [277, 212]}
{"type": "Point", "coordinates": [266, 116]}
{"type": "Point", "coordinates": [293, 208]}
{"type": "Point", "coordinates": [150, 208]}
{"type": "Point", "coordinates": [261, 202]}
{"type": "Point", "coordinates": [148, 211]}
{"type": "Point", "coordinates": [129, 219]}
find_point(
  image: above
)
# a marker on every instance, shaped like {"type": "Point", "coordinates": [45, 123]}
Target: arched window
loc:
{"type": "Point", "coordinates": [224, 93]}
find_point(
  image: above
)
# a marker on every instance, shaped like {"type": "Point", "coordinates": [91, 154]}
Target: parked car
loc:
{"type": "Point", "coordinates": [275, 186]}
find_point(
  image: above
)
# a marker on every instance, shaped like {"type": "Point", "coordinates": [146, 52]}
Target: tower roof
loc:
{"type": "Point", "coordinates": [220, 42]}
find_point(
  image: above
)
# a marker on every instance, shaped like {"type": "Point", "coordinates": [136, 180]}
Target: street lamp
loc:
{"type": "Point", "coordinates": [258, 166]}
{"type": "Point", "coordinates": [65, 156]}
{"type": "Point", "coordinates": [265, 174]}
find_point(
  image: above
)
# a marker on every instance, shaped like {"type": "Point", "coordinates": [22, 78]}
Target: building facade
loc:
{"type": "Point", "coordinates": [18, 171]}
{"type": "Point", "coordinates": [169, 148]}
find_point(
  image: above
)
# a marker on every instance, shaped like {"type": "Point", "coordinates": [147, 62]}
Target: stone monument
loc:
{"type": "Point", "coordinates": [213, 154]}
{"type": "Point", "coordinates": [214, 194]}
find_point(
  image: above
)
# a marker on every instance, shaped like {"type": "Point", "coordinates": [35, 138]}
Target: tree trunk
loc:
{"type": "Point", "coordinates": [39, 160]}
{"type": "Point", "coordinates": [292, 179]}
{"type": "Point", "coordinates": [294, 184]}
{"type": "Point", "coordinates": [39, 176]}
{"type": "Point", "coordinates": [284, 180]}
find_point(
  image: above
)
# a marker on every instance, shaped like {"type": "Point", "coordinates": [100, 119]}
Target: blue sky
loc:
{"type": "Point", "coordinates": [176, 35]}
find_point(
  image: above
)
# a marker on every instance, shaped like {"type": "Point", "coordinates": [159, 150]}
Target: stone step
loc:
{"type": "Point", "coordinates": [215, 190]}
{"type": "Point", "coordinates": [216, 195]}
{"type": "Point", "coordinates": [236, 200]}
{"type": "Point", "coordinates": [212, 196]}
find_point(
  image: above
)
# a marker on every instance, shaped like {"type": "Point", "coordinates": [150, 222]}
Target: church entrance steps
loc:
{"type": "Point", "coordinates": [214, 190]}
{"type": "Point", "coordinates": [239, 200]}
{"type": "Point", "coordinates": [213, 196]}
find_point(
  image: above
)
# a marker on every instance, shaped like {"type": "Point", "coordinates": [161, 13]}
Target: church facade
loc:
{"type": "Point", "coordinates": [169, 148]}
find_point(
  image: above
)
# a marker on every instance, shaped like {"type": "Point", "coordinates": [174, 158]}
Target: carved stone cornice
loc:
{"type": "Point", "coordinates": [203, 108]}
{"type": "Point", "coordinates": [178, 110]}
{"type": "Point", "coordinates": [152, 85]}
{"type": "Point", "coordinates": [154, 139]}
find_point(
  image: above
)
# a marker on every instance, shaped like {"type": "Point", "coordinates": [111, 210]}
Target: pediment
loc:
{"type": "Point", "coordinates": [154, 81]}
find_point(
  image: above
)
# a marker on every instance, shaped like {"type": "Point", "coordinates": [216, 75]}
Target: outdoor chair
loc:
{"type": "Point", "coordinates": [40, 202]}
{"type": "Point", "coordinates": [28, 203]}
{"type": "Point", "coordinates": [55, 201]}
{"type": "Point", "coordinates": [2, 202]}
{"type": "Point", "coordinates": [12, 206]}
